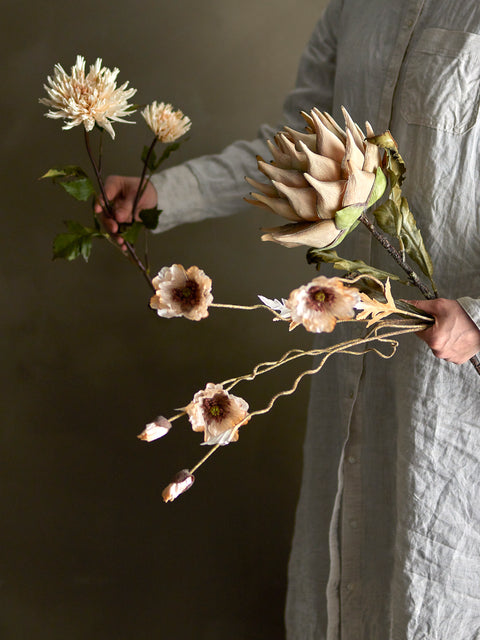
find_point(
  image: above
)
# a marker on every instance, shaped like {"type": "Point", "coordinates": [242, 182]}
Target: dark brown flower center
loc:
{"type": "Point", "coordinates": [319, 298]}
{"type": "Point", "coordinates": [188, 295]}
{"type": "Point", "coordinates": [216, 408]}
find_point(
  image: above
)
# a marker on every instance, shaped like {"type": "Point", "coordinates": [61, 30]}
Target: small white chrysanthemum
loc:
{"type": "Point", "coordinates": [181, 292]}
{"type": "Point", "coordinates": [215, 411]}
{"type": "Point", "coordinates": [319, 304]}
{"type": "Point", "coordinates": [87, 99]}
{"type": "Point", "coordinates": [165, 122]}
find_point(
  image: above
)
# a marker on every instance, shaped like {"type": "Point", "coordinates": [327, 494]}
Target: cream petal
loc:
{"type": "Point", "coordinates": [298, 159]}
{"type": "Point", "coordinates": [354, 129]}
{"type": "Point", "coordinates": [303, 201]}
{"type": "Point", "coordinates": [353, 156]}
{"type": "Point", "coordinates": [266, 189]}
{"type": "Point", "coordinates": [329, 196]}
{"type": "Point", "coordinates": [321, 167]}
{"type": "Point", "coordinates": [278, 205]}
{"type": "Point", "coordinates": [373, 155]}
{"type": "Point", "coordinates": [330, 123]}
{"type": "Point", "coordinates": [317, 234]}
{"type": "Point", "coordinates": [328, 143]}
{"type": "Point", "coordinates": [359, 186]}
{"type": "Point", "coordinates": [279, 157]}
{"type": "Point", "coordinates": [309, 139]}
{"type": "Point", "coordinates": [309, 120]}
{"type": "Point", "coordinates": [290, 177]}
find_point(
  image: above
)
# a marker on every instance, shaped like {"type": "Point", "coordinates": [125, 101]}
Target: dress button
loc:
{"type": "Point", "coordinates": [350, 586]}
{"type": "Point", "coordinates": [351, 459]}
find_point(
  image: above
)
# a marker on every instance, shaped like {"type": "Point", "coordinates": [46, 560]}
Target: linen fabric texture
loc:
{"type": "Point", "coordinates": [387, 533]}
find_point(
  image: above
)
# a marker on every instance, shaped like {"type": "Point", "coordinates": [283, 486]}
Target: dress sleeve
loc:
{"type": "Point", "coordinates": [472, 307]}
{"type": "Point", "coordinates": [214, 185]}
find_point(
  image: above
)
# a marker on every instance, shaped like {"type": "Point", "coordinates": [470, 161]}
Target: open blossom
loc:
{"type": "Point", "coordinates": [166, 123]}
{"type": "Point", "coordinates": [181, 292]}
{"type": "Point", "coordinates": [87, 99]}
{"type": "Point", "coordinates": [314, 175]}
{"type": "Point", "coordinates": [319, 304]}
{"type": "Point", "coordinates": [155, 430]}
{"type": "Point", "coordinates": [182, 481]}
{"type": "Point", "coordinates": [215, 411]}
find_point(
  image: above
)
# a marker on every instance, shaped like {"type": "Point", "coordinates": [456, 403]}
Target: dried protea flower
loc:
{"type": "Point", "coordinates": [215, 412]}
{"type": "Point", "coordinates": [155, 430]}
{"type": "Point", "coordinates": [87, 99]}
{"type": "Point", "coordinates": [182, 292]}
{"type": "Point", "coordinates": [321, 303]}
{"type": "Point", "coordinates": [182, 481]}
{"type": "Point", "coordinates": [321, 180]}
{"type": "Point", "coordinates": [166, 123]}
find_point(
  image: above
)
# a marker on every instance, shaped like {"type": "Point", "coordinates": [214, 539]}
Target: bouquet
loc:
{"type": "Point", "coordinates": [323, 182]}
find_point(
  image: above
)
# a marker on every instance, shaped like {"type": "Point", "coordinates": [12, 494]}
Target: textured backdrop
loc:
{"type": "Point", "coordinates": [87, 547]}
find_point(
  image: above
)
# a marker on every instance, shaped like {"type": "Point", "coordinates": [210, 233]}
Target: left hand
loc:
{"type": "Point", "coordinates": [454, 336]}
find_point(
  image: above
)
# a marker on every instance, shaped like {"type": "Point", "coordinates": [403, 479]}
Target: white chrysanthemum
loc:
{"type": "Point", "coordinates": [166, 123]}
{"type": "Point", "coordinates": [87, 99]}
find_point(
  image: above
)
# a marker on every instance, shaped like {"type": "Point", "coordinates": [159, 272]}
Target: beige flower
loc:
{"type": "Point", "coordinates": [155, 430]}
{"type": "Point", "coordinates": [182, 292]}
{"type": "Point", "coordinates": [319, 304]}
{"type": "Point", "coordinates": [316, 174]}
{"type": "Point", "coordinates": [182, 481]}
{"type": "Point", "coordinates": [215, 412]}
{"type": "Point", "coordinates": [87, 99]}
{"type": "Point", "coordinates": [166, 123]}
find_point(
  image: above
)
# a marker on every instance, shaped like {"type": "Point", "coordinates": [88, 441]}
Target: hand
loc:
{"type": "Point", "coordinates": [454, 336]}
{"type": "Point", "coordinates": [121, 192]}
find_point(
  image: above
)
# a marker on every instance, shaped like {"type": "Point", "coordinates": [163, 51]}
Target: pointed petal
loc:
{"type": "Point", "coordinates": [290, 177]}
{"type": "Point", "coordinates": [331, 124]}
{"type": "Point", "coordinates": [298, 158]}
{"type": "Point", "coordinates": [354, 129]}
{"type": "Point", "coordinates": [373, 155]}
{"type": "Point", "coordinates": [309, 139]}
{"type": "Point", "coordinates": [266, 189]}
{"type": "Point", "coordinates": [303, 201]}
{"type": "Point", "coordinates": [314, 234]}
{"type": "Point", "coordinates": [280, 206]}
{"type": "Point", "coordinates": [321, 167]}
{"type": "Point", "coordinates": [328, 143]}
{"type": "Point", "coordinates": [279, 157]}
{"type": "Point", "coordinates": [359, 186]}
{"type": "Point", "coordinates": [308, 119]}
{"type": "Point", "coordinates": [329, 196]}
{"type": "Point", "coordinates": [353, 156]}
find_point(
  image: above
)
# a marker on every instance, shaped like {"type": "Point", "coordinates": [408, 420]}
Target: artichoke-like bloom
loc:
{"type": "Point", "coordinates": [166, 123]}
{"type": "Point", "coordinates": [321, 180]}
{"type": "Point", "coordinates": [215, 412]}
{"type": "Point", "coordinates": [319, 304]}
{"type": "Point", "coordinates": [87, 99]}
{"type": "Point", "coordinates": [182, 293]}
{"type": "Point", "coordinates": [155, 430]}
{"type": "Point", "coordinates": [182, 481]}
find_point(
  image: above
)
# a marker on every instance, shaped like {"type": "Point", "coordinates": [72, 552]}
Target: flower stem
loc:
{"type": "Point", "coordinates": [141, 185]}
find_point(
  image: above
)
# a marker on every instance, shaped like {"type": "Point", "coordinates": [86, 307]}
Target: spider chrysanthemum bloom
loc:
{"type": "Point", "coordinates": [215, 411]}
{"type": "Point", "coordinates": [316, 174]}
{"type": "Point", "coordinates": [166, 123]}
{"type": "Point", "coordinates": [182, 293]}
{"type": "Point", "coordinates": [87, 99]}
{"type": "Point", "coordinates": [321, 303]}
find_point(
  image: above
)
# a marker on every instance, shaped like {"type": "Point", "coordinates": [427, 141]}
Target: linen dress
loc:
{"type": "Point", "coordinates": [387, 532]}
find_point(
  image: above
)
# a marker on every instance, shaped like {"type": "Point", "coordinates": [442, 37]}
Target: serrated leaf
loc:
{"type": "Point", "coordinates": [130, 234]}
{"type": "Point", "coordinates": [348, 266]}
{"type": "Point", "coordinates": [73, 179]}
{"type": "Point", "coordinates": [149, 217]}
{"type": "Point", "coordinates": [77, 242]}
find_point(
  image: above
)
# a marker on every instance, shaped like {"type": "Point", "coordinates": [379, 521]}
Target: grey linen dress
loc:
{"type": "Point", "coordinates": [387, 534]}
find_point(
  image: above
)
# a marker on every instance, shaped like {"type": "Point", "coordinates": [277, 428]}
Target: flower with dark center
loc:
{"type": "Point", "coordinates": [181, 292]}
{"type": "Point", "coordinates": [215, 411]}
{"type": "Point", "coordinates": [321, 303]}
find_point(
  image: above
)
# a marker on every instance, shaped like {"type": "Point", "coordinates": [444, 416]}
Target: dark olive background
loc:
{"type": "Point", "coordinates": [88, 550]}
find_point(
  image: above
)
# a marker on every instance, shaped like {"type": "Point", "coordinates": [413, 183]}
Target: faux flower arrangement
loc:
{"type": "Point", "coordinates": [323, 181]}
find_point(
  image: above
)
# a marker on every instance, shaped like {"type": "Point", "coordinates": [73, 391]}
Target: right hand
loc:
{"type": "Point", "coordinates": [121, 191]}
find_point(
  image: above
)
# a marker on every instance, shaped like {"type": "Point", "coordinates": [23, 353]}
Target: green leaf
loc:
{"type": "Point", "coordinates": [387, 216]}
{"type": "Point", "coordinates": [73, 179]}
{"type": "Point", "coordinates": [149, 217]}
{"type": "Point", "coordinates": [130, 233]}
{"type": "Point", "coordinates": [344, 218]}
{"type": "Point", "coordinates": [77, 242]}
{"type": "Point", "coordinates": [378, 188]}
{"type": "Point", "coordinates": [349, 266]}
{"type": "Point", "coordinates": [413, 241]}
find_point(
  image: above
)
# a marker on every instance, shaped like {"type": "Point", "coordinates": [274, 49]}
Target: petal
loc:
{"type": "Point", "coordinates": [311, 234]}
{"type": "Point", "coordinates": [266, 189]}
{"type": "Point", "coordinates": [373, 155]}
{"type": "Point", "coordinates": [359, 186]}
{"type": "Point", "coordinates": [328, 143]}
{"type": "Point", "coordinates": [354, 129]}
{"type": "Point", "coordinates": [280, 206]}
{"type": "Point", "coordinates": [290, 177]}
{"type": "Point", "coordinates": [279, 157]}
{"type": "Point", "coordinates": [297, 158]}
{"type": "Point", "coordinates": [353, 155]}
{"type": "Point", "coordinates": [303, 201]}
{"type": "Point", "coordinates": [329, 195]}
{"type": "Point", "coordinates": [309, 139]}
{"type": "Point", "coordinates": [321, 167]}
{"type": "Point", "coordinates": [331, 124]}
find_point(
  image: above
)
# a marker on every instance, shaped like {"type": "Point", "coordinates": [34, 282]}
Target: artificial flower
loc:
{"type": "Point", "coordinates": [87, 99]}
{"type": "Point", "coordinates": [166, 123]}
{"type": "Point", "coordinates": [319, 304]}
{"type": "Point", "coordinates": [155, 430]}
{"type": "Point", "coordinates": [181, 292]}
{"type": "Point", "coordinates": [182, 481]}
{"type": "Point", "coordinates": [316, 174]}
{"type": "Point", "coordinates": [215, 412]}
